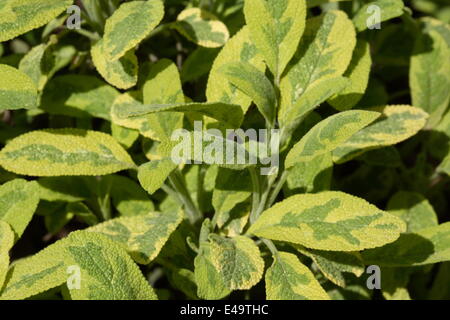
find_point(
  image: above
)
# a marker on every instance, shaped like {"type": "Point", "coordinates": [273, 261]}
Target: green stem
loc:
{"type": "Point", "coordinates": [177, 181]}
{"type": "Point", "coordinates": [256, 194]}
{"type": "Point", "coordinates": [271, 246]}
{"type": "Point", "coordinates": [277, 189]}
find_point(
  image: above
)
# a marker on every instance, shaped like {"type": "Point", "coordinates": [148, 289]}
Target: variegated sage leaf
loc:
{"type": "Point", "coordinates": [358, 72]}
{"type": "Point", "coordinates": [131, 23]}
{"type": "Point", "coordinates": [6, 243]}
{"type": "Point", "coordinates": [18, 201]}
{"type": "Point", "coordinates": [314, 75]}
{"type": "Point", "coordinates": [202, 28]}
{"type": "Point", "coordinates": [125, 136]}
{"type": "Point", "coordinates": [329, 134]}
{"type": "Point", "coordinates": [237, 260]}
{"type": "Point", "coordinates": [388, 9]}
{"type": "Point", "coordinates": [59, 152]}
{"type": "Point", "coordinates": [397, 123]}
{"type": "Point", "coordinates": [143, 236]}
{"type": "Point", "coordinates": [238, 49]}
{"type": "Point", "coordinates": [152, 174]}
{"type": "Point", "coordinates": [427, 246]}
{"type": "Point", "coordinates": [255, 84]}
{"type": "Point", "coordinates": [429, 75]}
{"type": "Point", "coordinates": [17, 90]}
{"type": "Point", "coordinates": [78, 96]}
{"type": "Point", "coordinates": [20, 16]}
{"type": "Point", "coordinates": [329, 220]}
{"type": "Point", "coordinates": [289, 279]}
{"type": "Point", "coordinates": [276, 27]}
{"type": "Point", "coordinates": [106, 271]}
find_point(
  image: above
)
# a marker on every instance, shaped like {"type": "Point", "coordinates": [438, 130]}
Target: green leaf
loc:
{"type": "Point", "coordinates": [202, 28]}
{"type": "Point", "coordinates": [255, 84]}
{"type": "Point", "coordinates": [289, 279]}
{"type": "Point", "coordinates": [106, 271]}
{"type": "Point", "coordinates": [329, 220]}
{"type": "Point", "coordinates": [143, 236]}
{"type": "Point", "coordinates": [414, 209]}
{"type": "Point", "coordinates": [6, 243]}
{"type": "Point", "coordinates": [427, 246]}
{"type": "Point", "coordinates": [445, 165]}
{"type": "Point", "coordinates": [18, 201]}
{"type": "Point", "coordinates": [17, 90]}
{"type": "Point", "coordinates": [276, 27]}
{"type": "Point", "coordinates": [358, 72]}
{"type": "Point", "coordinates": [67, 189]}
{"type": "Point", "coordinates": [78, 96]}
{"type": "Point", "coordinates": [398, 123]}
{"type": "Point", "coordinates": [131, 23]}
{"type": "Point", "coordinates": [21, 16]}
{"type": "Point", "coordinates": [152, 174]}
{"type": "Point", "coordinates": [125, 136]}
{"type": "Point", "coordinates": [429, 75]}
{"type": "Point", "coordinates": [121, 73]}
{"type": "Point", "coordinates": [82, 211]}
{"type": "Point", "coordinates": [388, 9]}
{"type": "Point", "coordinates": [238, 49]}
{"type": "Point", "coordinates": [314, 75]}
{"type": "Point", "coordinates": [329, 134]}
{"type": "Point", "coordinates": [59, 152]}
{"type": "Point", "coordinates": [237, 260]}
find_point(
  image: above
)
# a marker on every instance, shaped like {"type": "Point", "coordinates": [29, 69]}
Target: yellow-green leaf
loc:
{"type": "Point", "coordinates": [59, 152]}
{"type": "Point", "coordinates": [202, 28]}
{"type": "Point", "coordinates": [152, 174]}
{"type": "Point", "coordinates": [388, 9]}
{"type": "Point", "coordinates": [17, 90]}
{"type": "Point", "coordinates": [6, 243]}
{"type": "Point", "coordinates": [397, 123]}
{"type": "Point", "coordinates": [289, 279]}
{"type": "Point", "coordinates": [328, 220]}
{"type": "Point", "coordinates": [329, 134]}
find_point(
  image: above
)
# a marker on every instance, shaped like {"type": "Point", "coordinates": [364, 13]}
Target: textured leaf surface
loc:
{"type": "Point", "coordinates": [78, 96]}
{"type": "Point", "coordinates": [255, 84]}
{"type": "Point", "coordinates": [21, 16]}
{"type": "Point", "coordinates": [18, 201]}
{"type": "Point", "coordinates": [328, 220]}
{"type": "Point", "coordinates": [107, 272]}
{"type": "Point", "coordinates": [328, 134]}
{"type": "Point", "coordinates": [398, 123]}
{"type": "Point", "coordinates": [6, 243]}
{"type": "Point", "coordinates": [131, 23]}
{"type": "Point", "coordinates": [202, 28]}
{"type": "Point", "coordinates": [429, 75]}
{"type": "Point", "coordinates": [289, 279]}
{"type": "Point", "coordinates": [276, 27]}
{"type": "Point", "coordinates": [238, 49]}
{"type": "Point", "coordinates": [56, 152]}
{"type": "Point", "coordinates": [314, 75]}
{"type": "Point", "coordinates": [17, 90]}
{"type": "Point", "coordinates": [152, 174]}
{"type": "Point", "coordinates": [427, 246]}
{"type": "Point", "coordinates": [237, 260]}
{"type": "Point", "coordinates": [143, 236]}
{"type": "Point", "coordinates": [388, 9]}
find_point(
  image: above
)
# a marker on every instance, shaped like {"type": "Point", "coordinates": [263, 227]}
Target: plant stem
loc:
{"type": "Point", "coordinates": [177, 181]}
{"type": "Point", "coordinates": [277, 189]}
{"type": "Point", "coordinates": [256, 194]}
{"type": "Point", "coordinates": [271, 246]}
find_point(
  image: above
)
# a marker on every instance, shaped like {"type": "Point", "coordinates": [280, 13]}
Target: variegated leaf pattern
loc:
{"type": "Point", "coordinates": [329, 220]}
{"type": "Point", "coordinates": [429, 75]}
{"type": "Point", "coordinates": [59, 152]}
{"type": "Point", "coordinates": [276, 27]}
{"type": "Point", "coordinates": [152, 174]}
{"type": "Point", "coordinates": [131, 23]}
{"type": "Point", "coordinates": [17, 90]}
{"type": "Point", "coordinates": [314, 75]}
{"type": "Point", "coordinates": [329, 134]}
{"type": "Point", "coordinates": [20, 16]}
{"type": "Point", "coordinates": [103, 265]}
{"type": "Point", "coordinates": [237, 260]}
{"type": "Point", "coordinates": [6, 243]}
{"type": "Point", "coordinates": [426, 246]}
{"type": "Point", "coordinates": [289, 279]}
{"type": "Point", "coordinates": [358, 72]}
{"type": "Point", "coordinates": [125, 136]}
{"type": "Point", "coordinates": [143, 236]}
{"type": "Point", "coordinates": [397, 123]}
{"type": "Point", "coordinates": [384, 10]}
{"type": "Point", "coordinates": [18, 201]}
{"type": "Point", "coordinates": [238, 49]}
{"type": "Point", "coordinates": [202, 28]}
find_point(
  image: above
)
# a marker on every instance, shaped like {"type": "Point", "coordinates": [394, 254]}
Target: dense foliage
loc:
{"type": "Point", "coordinates": [352, 98]}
